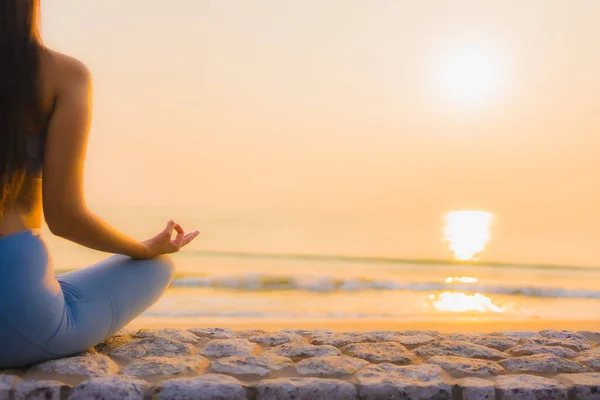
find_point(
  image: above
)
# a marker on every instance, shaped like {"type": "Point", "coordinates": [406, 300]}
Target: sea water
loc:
{"type": "Point", "coordinates": [274, 267]}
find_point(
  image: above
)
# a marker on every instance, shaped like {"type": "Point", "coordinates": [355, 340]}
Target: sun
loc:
{"type": "Point", "coordinates": [467, 232]}
{"type": "Point", "coordinates": [469, 74]}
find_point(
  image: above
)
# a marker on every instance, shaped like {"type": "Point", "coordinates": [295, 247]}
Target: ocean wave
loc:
{"type": "Point", "coordinates": [255, 282]}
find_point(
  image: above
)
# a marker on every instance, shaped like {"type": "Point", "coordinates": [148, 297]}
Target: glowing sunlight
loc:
{"type": "Point", "coordinates": [467, 232]}
{"type": "Point", "coordinates": [462, 302]}
{"type": "Point", "coordinates": [469, 74]}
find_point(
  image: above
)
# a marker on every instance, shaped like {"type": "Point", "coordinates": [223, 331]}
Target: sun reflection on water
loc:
{"type": "Point", "coordinates": [462, 302]}
{"type": "Point", "coordinates": [461, 279]}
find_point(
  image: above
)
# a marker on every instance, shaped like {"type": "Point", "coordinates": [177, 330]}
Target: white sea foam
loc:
{"type": "Point", "coordinates": [326, 284]}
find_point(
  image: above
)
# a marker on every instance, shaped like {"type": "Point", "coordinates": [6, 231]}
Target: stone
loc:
{"type": "Point", "coordinates": [582, 386]}
{"type": "Point", "coordinates": [205, 387]}
{"type": "Point", "coordinates": [498, 342]}
{"type": "Point", "coordinates": [591, 336]}
{"type": "Point", "coordinates": [518, 334]}
{"type": "Point", "coordinates": [382, 352]}
{"type": "Point", "coordinates": [110, 388]}
{"type": "Point", "coordinates": [460, 367]}
{"type": "Point", "coordinates": [408, 341]}
{"type": "Point", "coordinates": [562, 334]}
{"type": "Point", "coordinates": [529, 387]}
{"type": "Point", "coordinates": [590, 358]}
{"type": "Point", "coordinates": [426, 332]}
{"type": "Point", "coordinates": [389, 381]}
{"type": "Point", "coordinates": [297, 351]}
{"type": "Point", "coordinates": [157, 346]}
{"type": "Point", "coordinates": [460, 349]}
{"type": "Point", "coordinates": [251, 366]}
{"type": "Point", "coordinates": [40, 390]}
{"type": "Point", "coordinates": [274, 339]}
{"type": "Point", "coordinates": [338, 339]}
{"type": "Point", "coordinates": [6, 384]}
{"type": "Point", "coordinates": [84, 365]}
{"type": "Point", "coordinates": [166, 366]}
{"type": "Point", "coordinates": [309, 333]}
{"type": "Point", "coordinates": [330, 367]}
{"type": "Point", "coordinates": [228, 348]}
{"type": "Point", "coordinates": [179, 335]}
{"type": "Point", "coordinates": [474, 389]}
{"type": "Point", "coordinates": [112, 342]}
{"type": "Point", "coordinates": [528, 349]}
{"type": "Point", "coordinates": [306, 389]}
{"type": "Point", "coordinates": [571, 343]}
{"type": "Point", "coordinates": [541, 363]}
{"type": "Point", "coordinates": [245, 333]}
{"type": "Point", "coordinates": [213, 333]}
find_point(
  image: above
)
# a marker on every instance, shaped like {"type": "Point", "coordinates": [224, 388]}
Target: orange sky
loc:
{"type": "Point", "coordinates": [322, 107]}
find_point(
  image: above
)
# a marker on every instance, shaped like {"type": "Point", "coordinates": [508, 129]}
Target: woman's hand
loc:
{"type": "Point", "coordinates": [163, 243]}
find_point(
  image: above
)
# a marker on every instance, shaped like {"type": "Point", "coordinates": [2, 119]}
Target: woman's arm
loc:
{"type": "Point", "coordinates": [65, 209]}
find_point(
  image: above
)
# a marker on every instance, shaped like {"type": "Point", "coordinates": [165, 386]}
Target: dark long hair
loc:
{"type": "Point", "coordinates": [20, 105]}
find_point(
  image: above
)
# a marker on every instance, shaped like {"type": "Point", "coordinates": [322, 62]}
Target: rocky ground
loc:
{"type": "Point", "coordinates": [218, 363]}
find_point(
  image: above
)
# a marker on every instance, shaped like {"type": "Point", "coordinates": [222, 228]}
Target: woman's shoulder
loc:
{"type": "Point", "coordinates": [62, 69]}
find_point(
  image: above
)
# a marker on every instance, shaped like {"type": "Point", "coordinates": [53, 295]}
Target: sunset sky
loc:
{"type": "Point", "coordinates": [388, 109]}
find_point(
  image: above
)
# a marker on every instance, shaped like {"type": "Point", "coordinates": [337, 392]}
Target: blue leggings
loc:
{"type": "Point", "coordinates": [44, 317]}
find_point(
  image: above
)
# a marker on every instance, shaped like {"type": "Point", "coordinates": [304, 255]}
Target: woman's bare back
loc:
{"type": "Point", "coordinates": [57, 73]}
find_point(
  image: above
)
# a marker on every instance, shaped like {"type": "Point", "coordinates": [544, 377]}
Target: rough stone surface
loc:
{"type": "Point", "coordinates": [582, 386]}
{"type": "Point", "coordinates": [157, 346]}
{"type": "Point", "coordinates": [118, 339]}
{"type": "Point", "coordinates": [498, 341]}
{"type": "Point", "coordinates": [110, 388]}
{"type": "Point", "coordinates": [389, 381]}
{"type": "Point", "coordinates": [251, 366]}
{"type": "Point", "coordinates": [309, 364]}
{"type": "Point", "coordinates": [297, 351]}
{"type": "Point", "coordinates": [228, 348]}
{"type": "Point", "coordinates": [460, 349]}
{"type": "Point", "coordinates": [330, 367]}
{"type": "Point", "coordinates": [274, 339]}
{"type": "Point", "coordinates": [408, 341]}
{"type": "Point", "coordinates": [593, 337]}
{"type": "Point", "coordinates": [541, 363]}
{"type": "Point", "coordinates": [40, 390]}
{"type": "Point", "coordinates": [213, 333]}
{"type": "Point", "coordinates": [308, 333]}
{"type": "Point", "coordinates": [528, 349]}
{"type": "Point", "coordinates": [245, 333]}
{"type": "Point", "coordinates": [529, 387]}
{"type": "Point", "coordinates": [166, 366]}
{"type": "Point", "coordinates": [338, 339]}
{"type": "Point", "coordinates": [474, 389]}
{"type": "Point", "coordinates": [383, 352]}
{"type": "Point", "coordinates": [205, 387]}
{"type": "Point", "coordinates": [84, 365]}
{"type": "Point", "coordinates": [6, 384]}
{"type": "Point", "coordinates": [518, 334]}
{"type": "Point", "coordinates": [169, 333]}
{"type": "Point", "coordinates": [306, 389]}
{"type": "Point", "coordinates": [573, 343]}
{"type": "Point", "coordinates": [459, 367]}
{"type": "Point", "coordinates": [590, 359]}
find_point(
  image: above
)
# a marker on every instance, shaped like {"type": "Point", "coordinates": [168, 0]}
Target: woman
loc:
{"type": "Point", "coordinates": [45, 114]}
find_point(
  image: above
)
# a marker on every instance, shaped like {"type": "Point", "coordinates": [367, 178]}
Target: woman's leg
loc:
{"type": "Point", "coordinates": [101, 299]}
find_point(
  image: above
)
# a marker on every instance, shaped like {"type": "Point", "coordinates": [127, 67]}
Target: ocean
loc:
{"type": "Point", "coordinates": [261, 269]}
